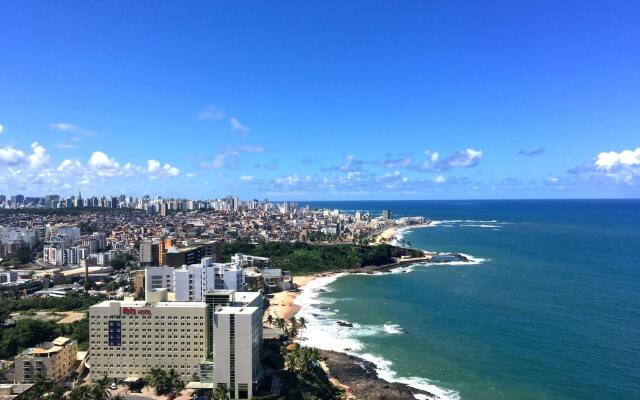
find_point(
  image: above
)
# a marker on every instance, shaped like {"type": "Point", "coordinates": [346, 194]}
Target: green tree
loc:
{"type": "Point", "coordinates": [221, 393]}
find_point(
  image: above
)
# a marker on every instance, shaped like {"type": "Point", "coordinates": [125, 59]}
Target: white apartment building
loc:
{"type": "Point", "coordinates": [191, 282]}
{"type": "Point", "coordinates": [237, 338]}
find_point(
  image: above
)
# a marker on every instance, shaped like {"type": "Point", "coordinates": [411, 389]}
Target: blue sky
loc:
{"type": "Point", "coordinates": [321, 100]}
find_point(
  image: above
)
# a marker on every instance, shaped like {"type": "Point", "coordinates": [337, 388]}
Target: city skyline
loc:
{"type": "Point", "coordinates": [301, 102]}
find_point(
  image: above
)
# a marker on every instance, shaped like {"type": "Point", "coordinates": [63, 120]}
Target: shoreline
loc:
{"type": "Point", "coordinates": [282, 304]}
{"type": "Point", "coordinates": [363, 375]}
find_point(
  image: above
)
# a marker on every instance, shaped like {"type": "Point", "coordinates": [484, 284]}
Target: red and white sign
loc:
{"type": "Point", "coordinates": [134, 311]}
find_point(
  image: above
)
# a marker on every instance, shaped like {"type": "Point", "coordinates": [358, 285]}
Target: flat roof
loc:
{"type": "Point", "coordinates": [141, 303]}
{"type": "Point", "coordinates": [236, 310]}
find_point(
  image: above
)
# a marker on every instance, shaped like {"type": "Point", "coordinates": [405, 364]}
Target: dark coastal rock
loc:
{"type": "Point", "coordinates": [363, 381]}
{"type": "Point", "coordinates": [345, 323]}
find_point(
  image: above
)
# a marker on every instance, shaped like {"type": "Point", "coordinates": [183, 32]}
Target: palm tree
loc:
{"type": "Point", "coordinates": [174, 381]}
{"type": "Point", "coordinates": [269, 319]}
{"type": "Point", "coordinates": [282, 324]}
{"type": "Point", "coordinates": [302, 324]}
{"type": "Point", "coordinates": [99, 390]}
{"type": "Point", "coordinates": [221, 393]}
{"type": "Point", "coordinates": [80, 393]}
{"type": "Point", "coordinates": [294, 328]}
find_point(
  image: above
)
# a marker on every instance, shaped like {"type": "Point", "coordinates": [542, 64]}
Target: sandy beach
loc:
{"type": "Point", "coordinates": [281, 304]}
{"type": "Point", "coordinates": [386, 236]}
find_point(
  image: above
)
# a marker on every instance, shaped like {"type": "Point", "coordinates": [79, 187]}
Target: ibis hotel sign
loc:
{"type": "Point", "coordinates": [135, 311]}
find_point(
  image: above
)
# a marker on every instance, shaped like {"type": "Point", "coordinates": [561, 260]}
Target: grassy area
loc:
{"type": "Point", "coordinates": [305, 258]}
{"type": "Point", "coordinates": [70, 302]}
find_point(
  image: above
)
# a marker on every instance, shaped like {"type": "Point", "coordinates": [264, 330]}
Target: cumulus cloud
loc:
{"type": "Point", "coordinates": [70, 166]}
{"type": "Point", "coordinates": [532, 152]}
{"type": "Point", "coordinates": [11, 156]}
{"type": "Point", "coordinates": [102, 164]}
{"type": "Point", "coordinates": [238, 127]}
{"type": "Point", "coordinates": [39, 157]}
{"type": "Point", "coordinates": [608, 161]}
{"type": "Point", "coordinates": [156, 170]}
{"type": "Point", "coordinates": [1, 128]}
{"type": "Point", "coordinates": [467, 158]}
{"type": "Point", "coordinates": [246, 178]}
{"type": "Point", "coordinates": [33, 171]}
{"type": "Point", "coordinates": [211, 113]}
{"type": "Point", "coordinates": [619, 167]}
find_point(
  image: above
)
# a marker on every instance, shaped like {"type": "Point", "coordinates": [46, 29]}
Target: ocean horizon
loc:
{"type": "Point", "coordinates": [547, 309]}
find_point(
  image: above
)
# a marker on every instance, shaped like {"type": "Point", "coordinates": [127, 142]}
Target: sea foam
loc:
{"type": "Point", "coordinates": [325, 333]}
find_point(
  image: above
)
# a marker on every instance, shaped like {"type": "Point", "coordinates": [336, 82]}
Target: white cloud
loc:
{"type": "Point", "coordinates": [608, 161]}
{"type": "Point", "coordinates": [11, 156]}
{"type": "Point", "coordinates": [39, 158]}
{"type": "Point", "coordinates": [70, 166]}
{"type": "Point", "coordinates": [462, 159]}
{"type": "Point", "coordinates": [351, 164]}
{"type": "Point", "coordinates": [465, 158]}
{"type": "Point", "coordinates": [237, 126]}
{"type": "Point", "coordinates": [1, 128]}
{"type": "Point", "coordinates": [246, 178]}
{"type": "Point", "coordinates": [102, 164]}
{"type": "Point", "coordinates": [211, 113]}
{"type": "Point", "coordinates": [618, 167]}
{"type": "Point", "coordinates": [155, 170]}
{"type": "Point", "coordinates": [440, 179]}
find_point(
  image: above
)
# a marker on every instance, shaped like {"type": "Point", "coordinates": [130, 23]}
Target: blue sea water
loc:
{"type": "Point", "coordinates": [552, 311]}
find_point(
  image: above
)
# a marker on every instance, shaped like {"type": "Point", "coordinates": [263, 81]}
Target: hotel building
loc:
{"type": "Point", "coordinates": [128, 338]}
{"type": "Point", "coordinates": [218, 339]}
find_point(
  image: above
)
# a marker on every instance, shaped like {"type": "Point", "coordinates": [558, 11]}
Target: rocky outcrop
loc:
{"type": "Point", "coordinates": [362, 379]}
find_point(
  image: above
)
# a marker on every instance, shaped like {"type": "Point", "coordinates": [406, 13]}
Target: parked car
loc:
{"type": "Point", "coordinates": [114, 386]}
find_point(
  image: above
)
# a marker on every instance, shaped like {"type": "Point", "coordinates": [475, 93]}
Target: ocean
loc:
{"type": "Point", "coordinates": [549, 309]}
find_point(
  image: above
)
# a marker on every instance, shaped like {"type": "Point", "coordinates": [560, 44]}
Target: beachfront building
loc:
{"type": "Point", "coordinates": [53, 360]}
{"type": "Point", "coordinates": [218, 339]}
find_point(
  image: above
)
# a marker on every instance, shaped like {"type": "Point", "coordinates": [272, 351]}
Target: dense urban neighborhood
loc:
{"type": "Point", "coordinates": [105, 297]}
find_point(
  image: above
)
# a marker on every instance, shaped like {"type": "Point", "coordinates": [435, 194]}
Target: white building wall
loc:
{"type": "Point", "coordinates": [158, 278]}
{"type": "Point", "coordinates": [248, 339]}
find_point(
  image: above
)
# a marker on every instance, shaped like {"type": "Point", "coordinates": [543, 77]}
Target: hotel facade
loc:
{"type": "Point", "coordinates": [215, 342]}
